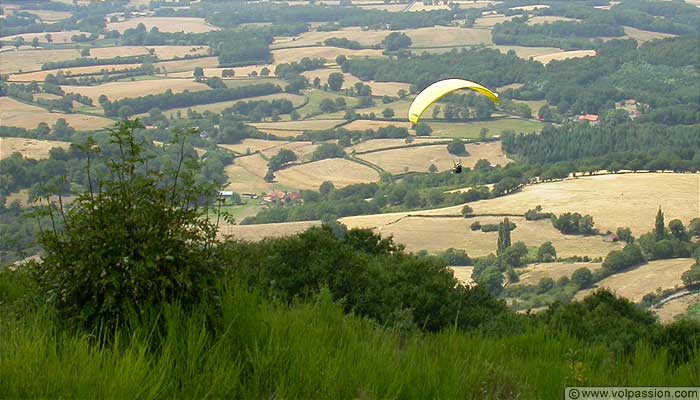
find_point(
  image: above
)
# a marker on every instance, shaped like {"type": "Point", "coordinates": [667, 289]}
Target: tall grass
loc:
{"type": "Point", "coordinates": [258, 349]}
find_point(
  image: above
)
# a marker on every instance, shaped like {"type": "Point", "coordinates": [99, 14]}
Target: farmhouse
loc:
{"type": "Point", "coordinates": [590, 118]}
{"type": "Point", "coordinates": [279, 197]}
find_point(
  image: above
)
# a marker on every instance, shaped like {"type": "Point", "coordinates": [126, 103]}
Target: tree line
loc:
{"type": "Point", "coordinates": [137, 105]}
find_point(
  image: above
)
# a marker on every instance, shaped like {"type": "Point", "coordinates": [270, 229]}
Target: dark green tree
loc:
{"type": "Point", "coordinates": [546, 252]}
{"type": "Point", "coordinates": [659, 225]}
{"type": "Point", "coordinates": [503, 236]}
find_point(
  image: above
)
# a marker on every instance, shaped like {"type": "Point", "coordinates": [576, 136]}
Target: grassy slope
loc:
{"type": "Point", "coordinates": [307, 351]}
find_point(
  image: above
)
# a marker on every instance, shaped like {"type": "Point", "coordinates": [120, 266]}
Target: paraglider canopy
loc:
{"type": "Point", "coordinates": [439, 89]}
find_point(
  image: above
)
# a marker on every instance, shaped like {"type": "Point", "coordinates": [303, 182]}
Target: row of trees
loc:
{"type": "Point", "coordinates": [137, 105]}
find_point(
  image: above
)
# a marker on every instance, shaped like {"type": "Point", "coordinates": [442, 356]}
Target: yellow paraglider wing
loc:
{"type": "Point", "coordinates": [438, 90]}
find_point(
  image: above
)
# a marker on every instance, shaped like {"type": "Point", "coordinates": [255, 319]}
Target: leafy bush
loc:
{"type": "Point", "coordinates": [134, 242]}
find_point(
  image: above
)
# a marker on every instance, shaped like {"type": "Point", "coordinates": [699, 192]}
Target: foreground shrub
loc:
{"type": "Point", "coordinates": [135, 239]}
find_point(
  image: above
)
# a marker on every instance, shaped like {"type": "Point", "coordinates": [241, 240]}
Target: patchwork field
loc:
{"type": "Point", "coordinates": [164, 24]}
{"type": "Point", "coordinates": [310, 125]}
{"type": "Point", "coordinates": [316, 38]}
{"type": "Point", "coordinates": [239, 72]}
{"type": "Point", "coordinates": [39, 76]}
{"type": "Point", "coordinates": [316, 96]}
{"type": "Point", "coordinates": [120, 90]}
{"type": "Point", "coordinates": [29, 148]}
{"type": "Point", "coordinates": [255, 164]}
{"type": "Point", "coordinates": [411, 159]}
{"type": "Point", "coordinates": [617, 200]}
{"type": "Point", "coordinates": [378, 144]}
{"type": "Point", "coordinates": [253, 145]}
{"type": "Point", "coordinates": [419, 159]}
{"type": "Point", "coordinates": [329, 53]}
{"type": "Point", "coordinates": [302, 150]}
{"type": "Point", "coordinates": [635, 283]}
{"type": "Point", "coordinates": [50, 15]}
{"type": "Point", "coordinates": [240, 180]}
{"type": "Point", "coordinates": [400, 108]}
{"type": "Point", "coordinates": [555, 270]}
{"type": "Point", "coordinates": [32, 60]}
{"type": "Point", "coordinates": [378, 88]}
{"type": "Point", "coordinates": [186, 64]}
{"type": "Point", "coordinates": [21, 115]}
{"type": "Point", "coordinates": [490, 20]}
{"type": "Point", "coordinates": [547, 19]}
{"type": "Point", "coordinates": [162, 52]}
{"type": "Point", "coordinates": [645, 36]}
{"type": "Point", "coordinates": [418, 6]}
{"type": "Point", "coordinates": [435, 233]}
{"type": "Point", "coordinates": [261, 231]}
{"type": "Point", "coordinates": [296, 99]}
{"type": "Point", "coordinates": [527, 52]}
{"type": "Point", "coordinates": [364, 124]}
{"type": "Point", "coordinates": [340, 171]}
{"type": "Point", "coordinates": [473, 129]}
{"type": "Point", "coordinates": [56, 37]}
{"type": "Point", "coordinates": [444, 36]}
{"type": "Point", "coordinates": [564, 55]}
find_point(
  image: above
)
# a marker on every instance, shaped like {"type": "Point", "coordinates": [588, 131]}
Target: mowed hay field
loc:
{"type": "Point", "coordinates": [668, 311]}
{"type": "Point", "coordinates": [645, 36]}
{"type": "Point", "coordinates": [282, 56]}
{"type": "Point", "coordinates": [31, 60]}
{"type": "Point", "coordinates": [239, 72]}
{"type": "Point", "coordinates": [50, 15]}
{"type": "Point", "coordinates": [419, 159]}
{"type": "Point", "coordinates": [340, 171]}
{"type": "Point", "coordinates": [436, 233]}
{"type": "Point", "coordinates": [253, 145]}
{"type": "Point", "coordinates": [39, 76]}
{"type": "Point", "coordinates": [564, 55]}
{"type": "Point", "coordinates": [162, 52]}
{"type": "Point", "coordinates": [473, 129]}
{"type": "Point", "coordinates": [262, 231]}
{"type": "Point", "coordinates": [56, 37]}
{"type": "Point", "coordinates": [187, 65]}
{"type": "Point", "coordinates": [241, 180]}
{"type": "Point", "coordinates": [635, 283]}
{"type": "Point", "coordinates": [303, 150]}
{"type": "Point", "coordinates": [21, 115]}
{"type": "Point", "coordinates": [617, 200]}
{"type": "Point", "coordinates": [527, 52]}
{"type": "Point", "coordinates": [310, 125]}
{"type": "Point", "coordinates": [532, 274]}
{"type": "Point", "coordinates": [121, 90]}
{"type": "Point", "coordinates": [547, 19]}
{"type": "Point", "coordinates": [364, 124]}
{"type": "Point", "coordinates": [378, 88]}
{"type": "Point", "coordinates": [411, 159]}
{"type": "Point", "coordinates": [164, 24]}
{"type": "Point", "coordinates": [378, 144]}
{"type": "Point", "coordinates": [490, 20]}
{"type": "Point", "coordinates": [316, 38]}
{"type": "Point", "coordinates": [29, 148]}
{"type": "Point", "coordinates": [444, 36]}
